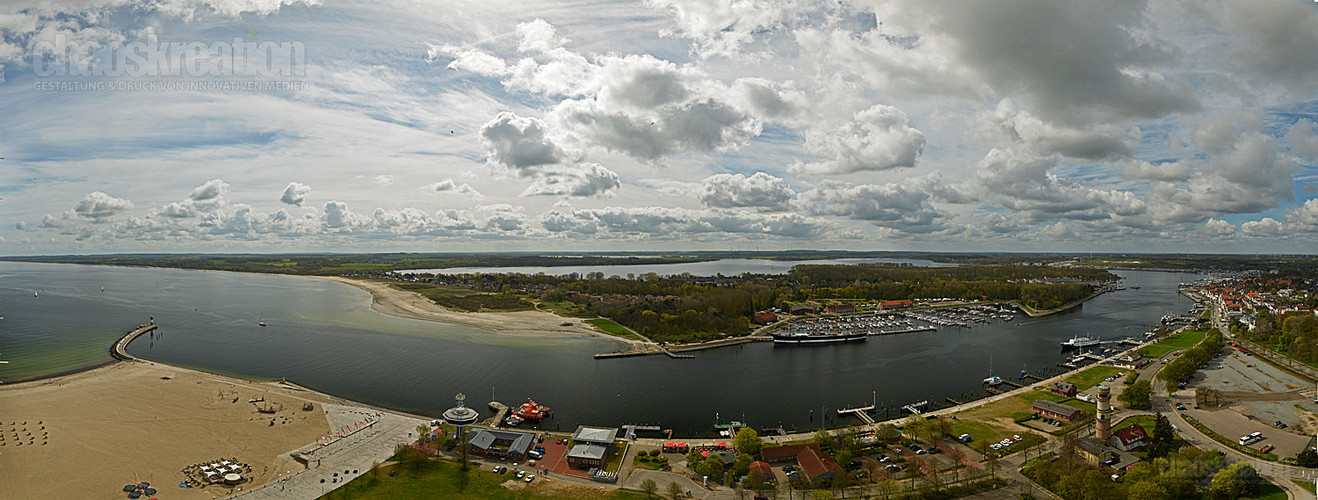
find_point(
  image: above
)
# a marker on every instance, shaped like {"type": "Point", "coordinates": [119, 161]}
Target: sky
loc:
{"type": "Point", "coordinates": [454, 126]}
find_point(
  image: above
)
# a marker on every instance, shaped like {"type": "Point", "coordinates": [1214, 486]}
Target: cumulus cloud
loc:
{"type": "Point", "coordinates": [584, 180]}
{"type": "Point", "coordinates": [887, 205]}
{"type": "Point", "coordinates": [760, 190]}
{"type": "Point", "coordinates": [295, 194]}
{"type": "Point", "coordinates": [1265, 227]}
{"type": "Point", "coordinates": [1169, 172]}
{"type": "Point", "coordinates": [524, 146]}
{"type": "Point", "coordinates": [1249, 177]}
{"type": "Point", "coordinates": [1303, 139]}
{"type": "Point", "coordinates": [1304, 218]}
{"type": "Point", "coordinates": [1217, 228]}
{"type": "Point", "coordinates": [879, 138]}
{"type": "Point", "coordinates": [450, 186]}
{"type": "Point", "coordinates": [721, 27]}
{"type": "Point", "coordinates": [520, 142]}
{"type": "Point", "coordinates": [1093, 142]}
{"type": "Point", "coordinates": [100, 207]}
{"type": "Point", "coordinates": [1024, 182]}
{"type": "Point", "coordinates": [339, 217]}
{"type": "Point", "coordinates": [663, 222]}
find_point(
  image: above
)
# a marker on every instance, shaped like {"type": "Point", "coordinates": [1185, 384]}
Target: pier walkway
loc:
{"type": "Point", "coordinates": [862, 413]}
{"type": "Point", "coordinates": [328, 467]}
{"type": "Point", "coordinates": [120, 349]}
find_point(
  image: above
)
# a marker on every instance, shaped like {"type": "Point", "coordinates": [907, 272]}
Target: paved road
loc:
{"type": "Point", "coordinates": [343, 460]}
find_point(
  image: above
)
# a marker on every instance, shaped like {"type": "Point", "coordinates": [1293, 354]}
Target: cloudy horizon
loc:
{"type": "Point", "coordinates": [409, 125]}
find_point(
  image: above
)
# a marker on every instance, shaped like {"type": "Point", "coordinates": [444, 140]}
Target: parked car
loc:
{"type": "Point", "coordinates": [530, 478]}
{"type": "Point", "coordinates": [520, 474]}
{"type": "Point", "coordinates": [965, 438]}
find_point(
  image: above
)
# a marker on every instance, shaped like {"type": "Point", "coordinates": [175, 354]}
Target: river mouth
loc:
{"type": "Point", "coordinates": [323, 335]}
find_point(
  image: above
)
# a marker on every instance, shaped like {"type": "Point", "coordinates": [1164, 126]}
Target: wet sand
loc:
{"type": "Point", "coordinates": [136, 420]}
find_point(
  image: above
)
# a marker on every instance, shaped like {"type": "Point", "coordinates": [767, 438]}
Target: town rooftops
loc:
{"type": "Point", "coordinates": [601, 435]}
{"type": "Point", "coordinates": [1063, 386]}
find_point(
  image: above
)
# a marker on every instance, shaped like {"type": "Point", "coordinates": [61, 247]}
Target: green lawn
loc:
{"type": "Point", "coordinates": [1093, 375]}
{"type": "Point", "coordinates": [608, 326]}
{"type": "Point", "coordinates": [443, 479]}
{"type": "Point", "coordinates": [1269, 491]}
{"type": "Point", "coordinates": [1177, 342]}
{"type": "Point", "coordinates": [643, 461]}
{"type": "Point", "coordinates": [992, 433]}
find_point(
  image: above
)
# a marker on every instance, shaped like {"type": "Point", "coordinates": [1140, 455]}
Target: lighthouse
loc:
{"type": "Point", "coordinates": [1103, 422]}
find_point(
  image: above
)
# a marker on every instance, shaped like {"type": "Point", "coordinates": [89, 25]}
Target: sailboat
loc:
{"type": "Point", "coordinates": [992, 380]}
{"type": "Point", "coordinates": [262, 320]}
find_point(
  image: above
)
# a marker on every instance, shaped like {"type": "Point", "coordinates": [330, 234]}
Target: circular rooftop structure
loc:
{"type": "Point", "coordinates": [460, 415]}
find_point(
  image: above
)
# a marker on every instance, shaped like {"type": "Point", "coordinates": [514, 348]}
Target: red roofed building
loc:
{"type": "Point", "coordinates": [764, 318]}
{"type": "Point", "coordinates": [1129, 438]}
{"type": "Point", "coordinates": [761, 469]}
{"type": "Point", "coordinates": [814, 463]}
{"type": "Point", "coordinates": [895, 304]}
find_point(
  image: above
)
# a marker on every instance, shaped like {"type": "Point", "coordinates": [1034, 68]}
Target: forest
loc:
{"type": "Point", "coordinates": [1294, 334]}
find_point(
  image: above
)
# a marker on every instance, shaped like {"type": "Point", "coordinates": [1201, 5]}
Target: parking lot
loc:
{"type": "Point", "coordinates": [1254, 396]}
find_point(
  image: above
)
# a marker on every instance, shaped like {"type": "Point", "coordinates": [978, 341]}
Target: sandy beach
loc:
{"type": "Point", "coordinates": [136, 420]}
{"type": "Point", "coordinates": [386, 299]}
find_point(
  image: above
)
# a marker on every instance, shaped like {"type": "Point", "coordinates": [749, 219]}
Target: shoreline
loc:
{"type": "Point", "coordinates": [390, 301]}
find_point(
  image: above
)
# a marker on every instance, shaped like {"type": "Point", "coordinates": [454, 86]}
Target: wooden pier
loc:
{"type": "Point", "coordinates": [1130, 342]}
{"type": "Point", "coordinates": [1067, 365]}
{"type": "Point", "coordinates": [953, 401]}
{"type": "Point", "coordinates": [861, 412]}
{"type": "Point", "coordinates": [1093, 356]}
{"type": "Point", "coordinates": [630, 430]}
{"type": "Point", "coordinates": [915, 407]}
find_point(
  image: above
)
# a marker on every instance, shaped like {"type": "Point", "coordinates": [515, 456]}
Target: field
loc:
{"type": "Point", "coordinates": [1094, 375]}
{"type": "Point", "coordinates": [462, 299]}
{"type": "Point", "coordinates": [1018, 406]}
{"type": "Point", "coordinates": [1177, 342]}
{"type": "Point", "coordinates": [443, 479]}
{"type": "Point", "coordinates": [608, 326]}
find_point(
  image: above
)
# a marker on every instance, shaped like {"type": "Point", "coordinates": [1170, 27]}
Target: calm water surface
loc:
{"type": "Point", "coordinates": [323, 335]}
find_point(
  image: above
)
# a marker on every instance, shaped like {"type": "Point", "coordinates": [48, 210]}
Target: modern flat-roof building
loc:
{"type": "Point", "coordinates": [591, 447]}
{"type": "Point", "coordinates": [502, 445]}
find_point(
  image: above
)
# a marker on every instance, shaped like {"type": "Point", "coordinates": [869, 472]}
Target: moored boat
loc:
{"type": "Point", "coordinates": [1078, 341]}
{"type": "Point", "coordinates": [531, 411]}
{"type": "Point", "coordinates": [821, 338]}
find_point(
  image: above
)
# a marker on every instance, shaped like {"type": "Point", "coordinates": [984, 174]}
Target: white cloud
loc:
{"type": "Point", "coordinates": [1265, 227]}
{"type": "Point", "coordinates": [1169, 172]}
{"type": "Point", "coordinates": [888, 205]}
{"type": "Point", "coordinates": [100, 207]}
{"type": "Point", "coordinates": [584, 180]}
{"type": "Point", "coordinates": [760, 190]}
{"type": "Point", "coordinates": [295, 194]}
{"type": "Point", "coordinates": [383, 179]}
{"type": "Point", "coordinates": [1093, 142]}
{"type": "Point", "coordinates": [879, 138]}
{"type": "Point", "coordinates": [1217, 228]}
{"type": "Point", "coordinates": [1303, 139]}
{"type": "Point", "coordinates": [450, 186]}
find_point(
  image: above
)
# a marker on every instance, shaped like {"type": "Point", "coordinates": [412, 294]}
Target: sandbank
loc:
{"type": "Point", "coordinates": [138, 420]}
{"type": "Point", "coordinates": [386, 299]}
